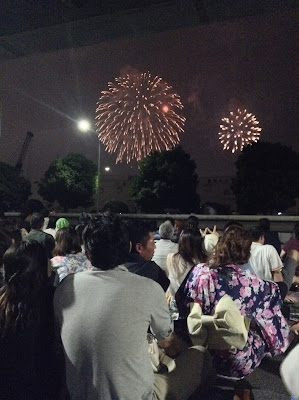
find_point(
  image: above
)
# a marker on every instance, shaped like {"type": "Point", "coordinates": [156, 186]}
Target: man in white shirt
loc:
{"type": "Point", "coordinates": [264, 259]}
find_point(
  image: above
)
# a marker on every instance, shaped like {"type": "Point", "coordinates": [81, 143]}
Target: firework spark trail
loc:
{"type": "Point", "coordinates": [238, 130]}
{"type": "Point", "coordinates": [137, 115]}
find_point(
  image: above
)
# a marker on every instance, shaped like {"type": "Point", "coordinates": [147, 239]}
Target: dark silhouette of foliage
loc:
{"type": "Point", "coordinates": [166, 180]}
{"type": "Point", "coordinates": [116, 206]}
{"type": "Point", "coordinates": [70, 181]}
{"type": "Point", "coordinates": [14, 189]}
{"type": "Point", "coordinates": [267, 178]}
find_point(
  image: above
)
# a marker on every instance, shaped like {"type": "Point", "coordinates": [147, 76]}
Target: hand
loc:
{"type": "Point", "coordinates": [172, 345]}
{"type": "Point", "coordinates": [213, 231]}
{"type": "Point", "coordinates": [203, 232]}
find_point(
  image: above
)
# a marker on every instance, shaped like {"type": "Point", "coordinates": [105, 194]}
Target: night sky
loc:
{"type": "Point", "coordinates": [247, 63]}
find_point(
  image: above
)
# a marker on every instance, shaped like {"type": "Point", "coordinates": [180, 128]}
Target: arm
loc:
{"type": "Point", "coordinates": [160, 323]}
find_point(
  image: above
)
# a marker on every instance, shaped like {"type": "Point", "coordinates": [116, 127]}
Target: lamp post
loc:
{"type": "Point", "coordinates": [85, 126]}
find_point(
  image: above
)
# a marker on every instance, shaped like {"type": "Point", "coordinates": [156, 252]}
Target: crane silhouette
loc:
{"type": "Point", "coordinates": [19, 164]}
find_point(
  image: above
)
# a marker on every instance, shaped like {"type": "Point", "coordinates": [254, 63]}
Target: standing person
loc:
{"type": "Point", "coordinates": [29, 368]}
{"type": "Point", "coordinates": [104, 315]}
{"type": "Point", "coordinates": [164, 246]}
{"type": "Point", "coordinates": [257, 299]}
{"type": "Point", "coordinates": [142, 250]}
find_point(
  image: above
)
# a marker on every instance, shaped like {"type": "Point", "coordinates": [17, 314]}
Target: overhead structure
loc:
{"type": "Point", "coordinates": [24, 149]}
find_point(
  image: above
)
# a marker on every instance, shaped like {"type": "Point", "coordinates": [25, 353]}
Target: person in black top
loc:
{"type": "Point", "coordinates": [142, 251]}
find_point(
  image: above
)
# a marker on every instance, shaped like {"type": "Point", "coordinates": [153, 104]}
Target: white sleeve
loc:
{"type": "Point", "coordinates": [274, 259]}
{"type": "Point", "coordinates": [289, 372]}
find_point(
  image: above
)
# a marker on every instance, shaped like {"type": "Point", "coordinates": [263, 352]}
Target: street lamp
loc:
{"type": "Point", "coordinates": [85, 126]}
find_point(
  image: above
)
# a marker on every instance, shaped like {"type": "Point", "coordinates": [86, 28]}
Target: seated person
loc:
{"type": "Point", "coordinates": [264, 259]}
{"type": "Point", "coordinates": [164, 246]}
{"type": "Point", "coordinates": [292, 244]}
{"type": "Point", "coordinates": [270, 237]}
{"type": "Point", "coordinates": [36, 233]}
{"type": "Point", "coordinates": [104, 315]}
{"type": "Point", "coordinates": [259, 300]}
{"type": "Point", "coordinates": [179, 264]}
{"type": "Point", "coordinates": [142, 250]}
{"type": "Point", "coordinates": [29, 366]}
{"type": "Point", "coordinates": [68, 257]}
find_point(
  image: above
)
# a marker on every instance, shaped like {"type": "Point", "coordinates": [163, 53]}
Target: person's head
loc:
{"type": "Point", "coordinates": [36, 221]}
{"type": "Point", "coordinates": [264, 223]}
{"type": "Point", "coordinates": [25, 277]}
{"type": "Point", "coordinates": [62, 223]}
{"type": "Point", "coordinates": [106, 241]}
{"type": "Point", "coordinates": [178, 226]}
{"type": "Point", "coordinates": [257, 234]}
{"type": "Point", "coordinates": [190, 246]}
{"type": "Point", "coordinates": [232, 222]}
{"type": "Point", "coordinates": [192, 222]}
{"type": "Point", "coordinates": [52, 222]}
{"type": "Point", "coordinates": [166, 230]}
{"type": "Point", "coordinates": [67, 241]}
{"type": "Point", "coordinates": [142, 239]}
{"type": "Point", "coordinates": [209, 243]}
{"type": "Point", "coordinates": [296, 230]}
{"type": "Point", "coordinates": [79, 229]}
{"type": "Point", "coordinates": [233, 247]}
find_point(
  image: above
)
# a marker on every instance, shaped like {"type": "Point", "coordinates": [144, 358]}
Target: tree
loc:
{"type": "Point", "coordinates": [267, 178]}
{"type": "Point", "coordinates": [116, 206]}
{"type": "Point", "coordinates": [70, 181]}
{"type": "Point", "coordinates": [166, 180]}
{"type": "Point", "coordinates": [14, 189]}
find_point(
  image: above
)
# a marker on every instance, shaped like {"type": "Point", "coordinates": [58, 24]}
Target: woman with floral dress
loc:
{"type": "Point", "coordinates": [257, 299]}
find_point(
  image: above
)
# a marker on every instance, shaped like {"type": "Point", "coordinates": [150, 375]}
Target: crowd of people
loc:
{"type": "Point", "coordinates": [91, 311]}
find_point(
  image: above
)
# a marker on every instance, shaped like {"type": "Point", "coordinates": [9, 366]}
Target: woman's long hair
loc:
{"type": "Point", "coordinates": [190, 248]}
{"type": "Point", "coordinates": [25, 276]}
{"type": "Point", "coordinates": [67, 241]}
{"type": "Point", "coordinates": [233, 247]}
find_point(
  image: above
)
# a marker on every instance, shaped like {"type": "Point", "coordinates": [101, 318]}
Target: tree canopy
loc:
{"type": "Point", "coordinates": [166, 181]}
{"type": "Point", "coordinates": [70, 181]}
{"type": "Point", "coordinates": [14, 189]}
{"type": "Point", "coordinates": [267, 178]}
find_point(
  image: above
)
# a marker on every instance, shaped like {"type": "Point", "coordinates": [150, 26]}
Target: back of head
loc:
{"type": "Point", "coordinates": [264, 223]}
{"type": "Point", "coordinates": [256, 232]}
{"type": "Point", "coordinates": [166, 230]}
{"type": "Point", "coordinates": [192, 223]}
{"type": "Point", "coordinates": [67, 241]}
{"type": "Point", "coordinates": [106, 241]}
{"type": "Point", "coordinates": [296, 230]}
{"type": "Point", "coordinates": [36, 221]}
{"type": "Point", "coordinates": [232, 222]}
{"type": "Point", "coordinates": [139, 232]}
{"type": "Point", "coordinates": [233, 247]}
{"type": "Point", "coordinates": [62, 223]}
{"type": "Point", "coordinates": [209, 243]}
{"type": "Point", "coordinates": [190, 246]}
{"type": "Point", "coordinates": [25, 276]}
{"type": "Point", "coordinates": [52, 222]}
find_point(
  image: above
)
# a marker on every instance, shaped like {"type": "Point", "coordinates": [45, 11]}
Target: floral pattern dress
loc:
{"type": "Point", "coordinates": [69, 264]}
{"type": "Point", "coordinates": [257, 299]}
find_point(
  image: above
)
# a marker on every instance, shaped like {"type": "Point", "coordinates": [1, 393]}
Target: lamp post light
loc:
{"type": "Point", "coordinates": [85, 126]}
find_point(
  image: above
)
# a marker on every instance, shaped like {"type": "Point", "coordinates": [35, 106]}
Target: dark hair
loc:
{"type": "Point", "coordinates": [192, 222]}
{"type": "Point", "coordinates": [233, 247]}
{"type": "Point", "coordinates": [5, 243]}
{"type": "Point", "coordinates": [232, 222]}
{"type": "Point", "coordinates": [139, 232]}
{"type": "Point", "coordinates": [256, 232]}
{"type": "Point", "coordinates": [296, 230]}
{"type": "Point", "coordinates": [79, 229]}
{"type": "Point", "coordinates": [52, 222]}
{"type": "Point", "coordinates": [67, 241]}
{"type": "Point", "coordinates": [264, 223]}
{"type": "Point", "coordinates": [25, 276]}
{"type": "Point", "coordinates": [36, 221]}
{"type": "Point", "coordinates": [106, 241]}
{"type": "Point", "coordinates": [190, 247]}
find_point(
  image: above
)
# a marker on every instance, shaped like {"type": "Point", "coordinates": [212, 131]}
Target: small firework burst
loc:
{"type": "Point", "coordinates": [238, 130]}
{"type": "Point", "coordinates": [139, 114]}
